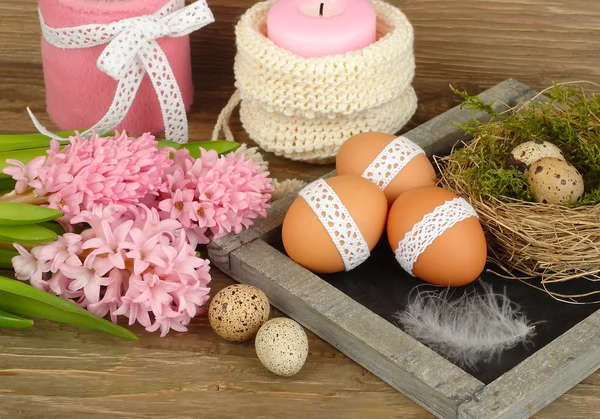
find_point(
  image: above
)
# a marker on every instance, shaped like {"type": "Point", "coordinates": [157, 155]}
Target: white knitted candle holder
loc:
{"type": "Point", "coordinates": [305, 108]}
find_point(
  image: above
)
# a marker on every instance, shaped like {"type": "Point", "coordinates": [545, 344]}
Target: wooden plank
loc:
{"type": "Point", "coordinates": [542, 377]}
{"type": "Point", "coordinates": [395, 357]}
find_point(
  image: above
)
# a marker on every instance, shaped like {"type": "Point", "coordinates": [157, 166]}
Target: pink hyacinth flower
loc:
{"type": "Point", "coordinates": [64, 250]}
{"type": "Point", "coordinates": [108, 242]}
{"type": "Point", "coordinates": [112, 296]}
{"type": "Point", "coordinates": [229, 192]}
{"type": "Point", "coordinates": [28, 268]}
{"type": "Point", "coordinates": [172, 320]}
{"type": "Point", "coordinates": [88, 280]}
{"type": "Point", "coordinates": [24, 174]}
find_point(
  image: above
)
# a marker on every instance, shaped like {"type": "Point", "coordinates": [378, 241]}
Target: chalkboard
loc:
{"type": "Point", "coordinates": [382, 286]}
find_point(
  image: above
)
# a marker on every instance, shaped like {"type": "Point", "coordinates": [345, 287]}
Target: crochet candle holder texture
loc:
{"type": "Point", "coordinates": [100, 56]}
{"type": "Point", "coordinates": [305, 108]}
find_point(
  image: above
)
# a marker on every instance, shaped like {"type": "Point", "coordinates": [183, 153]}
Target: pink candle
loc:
{"type": "Point", "coordinates": [316, 28]}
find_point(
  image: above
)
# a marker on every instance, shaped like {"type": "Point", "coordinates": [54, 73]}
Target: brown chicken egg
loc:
{"type": "Point", "coordinates": [334, 224]}
{"type": "Point", "coordinates": [395, 164]}
{"type": "Point", "coordinates": [437, 237]}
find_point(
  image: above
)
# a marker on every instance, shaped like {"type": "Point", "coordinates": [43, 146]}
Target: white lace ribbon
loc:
{"type": "Point", "coordinates": [433, 225]}
{"type": "Point", "coordinates": [132, 52]}
{"type": "Point", "coordinates": [338, 222]}
{"type": "Point", "coordinates": [391, 160]}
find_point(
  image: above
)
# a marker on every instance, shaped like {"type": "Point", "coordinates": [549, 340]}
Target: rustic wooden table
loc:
{"type": "Point", "coordinates": [56, 371]}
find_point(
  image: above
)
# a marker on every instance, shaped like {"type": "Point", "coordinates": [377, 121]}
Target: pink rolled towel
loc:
{"type": "Point", "coordinates": [78, 94]}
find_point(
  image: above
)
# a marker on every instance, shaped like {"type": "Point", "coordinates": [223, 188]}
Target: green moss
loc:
{"type": "Point", "coordinates": [569, 119]}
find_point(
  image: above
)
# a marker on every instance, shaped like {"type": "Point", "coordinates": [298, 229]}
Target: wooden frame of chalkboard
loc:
{"type": "Point", "coordinates": [424, 376]}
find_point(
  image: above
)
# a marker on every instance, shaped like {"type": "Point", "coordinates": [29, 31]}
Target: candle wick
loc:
{"type": "Point", "coordinates": [321, 9]}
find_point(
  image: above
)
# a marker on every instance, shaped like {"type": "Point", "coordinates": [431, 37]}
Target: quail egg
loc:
{"type": "Point", "coordinates": [238, 311]}
{"type": "Point", "coordinates": [282, 346]}
{"type": "Point", "coordinates": [526, 153]}
{"type": "Point", "coordinates": [554, 181]}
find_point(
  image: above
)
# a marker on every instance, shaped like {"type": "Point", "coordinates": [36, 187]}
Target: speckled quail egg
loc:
{"type": "Point", "coordinates": [282, 346]}
{"type": "Point", "coordinates": [238, 311]}
{"type": "Point", "coordinates": [526, 153]}
{"type": "Point", "coordinates": [554, 181]}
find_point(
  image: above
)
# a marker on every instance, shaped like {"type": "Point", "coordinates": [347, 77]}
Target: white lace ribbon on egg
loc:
{"type": "Point", "coordinates": [391, 160]}
{"type": "Point", "coordinates": [430, 227]}
{"type": "Point", "coordinates": [131, 53]}
{"type": "Point", "coordinates": [338, 222]}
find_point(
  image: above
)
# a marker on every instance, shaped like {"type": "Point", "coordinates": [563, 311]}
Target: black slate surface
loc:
{"type": "Point", "coordinates": [381, 285]}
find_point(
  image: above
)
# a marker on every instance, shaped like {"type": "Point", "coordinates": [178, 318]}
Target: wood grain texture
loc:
{"type": "Point", "coordinates": [60, 372]}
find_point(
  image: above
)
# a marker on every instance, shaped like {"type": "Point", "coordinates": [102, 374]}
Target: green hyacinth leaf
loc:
{"type": "Point", "coordinates": [7, 184]}
{"type": "Point", "coordinates": [10, 321]}
{"type": "Point", "coordinates": [17, 214]}
{"type": "Point", "coordinates": [167, 143]}
{"type": "Point", "coordinates": [13, 142]}
{"type": "Point", "coordinates": [19, 298]}
{"type": "Point", "coordinates": [26, 234]}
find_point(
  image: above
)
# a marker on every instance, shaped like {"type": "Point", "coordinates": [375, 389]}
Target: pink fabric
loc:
{"type": "Point", "coordinates": [78, 94]}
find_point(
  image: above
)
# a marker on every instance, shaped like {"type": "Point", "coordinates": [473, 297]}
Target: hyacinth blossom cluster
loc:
{"type": "Point", "coordinates": [128, 262]}
{"type": "Point", "coordinates": [112, 170]}
{"type": "Point", "coordinates": [212, 196]}
{"type": "Point", "coordinates": [134, 217]}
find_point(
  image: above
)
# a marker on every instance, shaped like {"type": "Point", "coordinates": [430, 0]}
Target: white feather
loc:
{"type": "Point", "coordinates": [468, 329]}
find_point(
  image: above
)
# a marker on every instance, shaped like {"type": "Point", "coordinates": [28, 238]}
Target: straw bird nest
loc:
{"type": "Point", "coordinates": [528, 239]}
